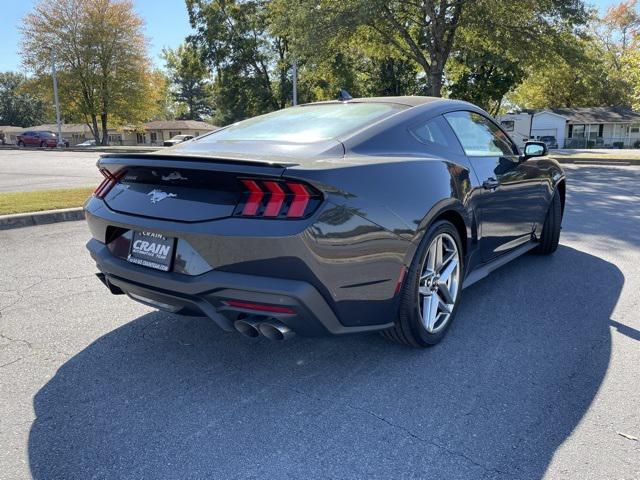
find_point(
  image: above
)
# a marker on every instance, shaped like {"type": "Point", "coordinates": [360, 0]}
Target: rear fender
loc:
{"type": "Point", "coordinates": [399, 194]}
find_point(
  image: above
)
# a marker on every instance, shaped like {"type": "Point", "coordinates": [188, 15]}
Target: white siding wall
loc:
{"type": "Point", "coordinates": [521, 126]}
{"type": "Point", "coordinates": [545, 123]}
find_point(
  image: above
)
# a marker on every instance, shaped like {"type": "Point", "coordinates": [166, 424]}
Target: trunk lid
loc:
{"type": "Point", "coordinates": [185, 188]}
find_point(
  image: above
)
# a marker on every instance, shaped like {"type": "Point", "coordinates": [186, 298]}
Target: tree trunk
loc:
{"type": "Point", "coordinates": [94, 129]}
{"type": "Point", "coordinates": [435, 79]}
{"type": "Point", "coordinates": [105, 134]}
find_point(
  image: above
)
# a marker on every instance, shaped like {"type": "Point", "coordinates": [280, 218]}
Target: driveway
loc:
{"type": "Point", "coordinates": [26, 170]}
{"type": "Point", "coordinates": [538, 377]}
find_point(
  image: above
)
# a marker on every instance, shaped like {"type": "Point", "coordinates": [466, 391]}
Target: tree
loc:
{"type": "Point", "coordinates": [19, 106]}
{"type": "Point", "coordinates": [585, 80]}
{"type": "Point", "coordinates": [421, 32]}
{"type": "Point", "coordinates": [249, 63]}
{"type": "Point", "coordinates": [429, 33]}
{"type": "Point", "coordinates": [630, 67]}
{"type": "Point", "coordinates": [190, 82]}
{"type": "Point", "coordinates": [497, 46]}
{"type": "Point", "coordinates": [622, 22]}
{"type": "Point", "coordinates": [101, 54]}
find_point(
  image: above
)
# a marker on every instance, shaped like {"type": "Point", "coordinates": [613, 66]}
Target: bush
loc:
{"type": "Point", "coordinates": [636, 144]}
{"type": "Point", "coordinates": [591, 144]}
{"type": "Point", "coordinates": [618, 144]}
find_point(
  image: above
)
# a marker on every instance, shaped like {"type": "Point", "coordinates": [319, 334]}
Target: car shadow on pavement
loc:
{"type": "Point", "coordinates": [174, 397]}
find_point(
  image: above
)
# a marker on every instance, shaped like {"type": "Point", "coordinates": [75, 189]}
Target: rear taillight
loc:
{"type": "Point", "coordinates": [110, 179]}
{"type": "Point", "coordinates": [285, 199]}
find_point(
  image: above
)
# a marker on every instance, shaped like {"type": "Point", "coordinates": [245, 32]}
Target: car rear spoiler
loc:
{"type": "Point", "coordinates": [242, 165]}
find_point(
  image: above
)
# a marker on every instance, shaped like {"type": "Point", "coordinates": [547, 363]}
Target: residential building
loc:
{"type": "Point", "coordinates": [589, 127]}
{"type": "Point", "coordinates": [155, 133]}
{"type": "Point", "coordinates": [152, 133]}
{"type": "Point", "coordinates": [8, 134]}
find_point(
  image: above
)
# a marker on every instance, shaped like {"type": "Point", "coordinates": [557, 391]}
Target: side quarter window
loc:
{"type": "Point", "coordinates": [436, 135]}
{"type": "Point", "coordinates": [479, 136]}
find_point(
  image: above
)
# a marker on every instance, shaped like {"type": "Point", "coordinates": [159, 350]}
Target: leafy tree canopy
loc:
{"type": "Point", "coordinates": [20, 105]}
{"type": "Point", "coordinates": [101, 53]}
{"type": "Point", "coordinates": [190, 82]}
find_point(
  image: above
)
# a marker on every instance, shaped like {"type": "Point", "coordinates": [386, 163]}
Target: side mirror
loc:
{"type": "Point", "coordinates": [535, 149]}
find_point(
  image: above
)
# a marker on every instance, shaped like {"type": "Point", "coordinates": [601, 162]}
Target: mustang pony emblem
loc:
{"type": "Point", "coordinates": [174, 176]}
{"type": "Point", "coordinates": [159, 195]}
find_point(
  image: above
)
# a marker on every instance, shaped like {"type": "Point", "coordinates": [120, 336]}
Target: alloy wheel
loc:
{"type": "Point", "coordinates": [439, 283]}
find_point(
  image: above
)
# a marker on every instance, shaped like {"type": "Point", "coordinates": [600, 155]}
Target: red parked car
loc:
{"type": "Point", "coordinates": [35, 138]}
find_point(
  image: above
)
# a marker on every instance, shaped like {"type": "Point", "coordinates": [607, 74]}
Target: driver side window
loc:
{"type": "Point", "coordinates": [479, 136]}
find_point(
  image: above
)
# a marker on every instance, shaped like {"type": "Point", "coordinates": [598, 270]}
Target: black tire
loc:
{"type": "Point", "coordinates": [20, 143]}
{"type": "Point", "coordinates": [409, 328]}
{"type": "Point", "coordinates": [43, 145]}
{"type": "Point", "coordinates": [551, 229]}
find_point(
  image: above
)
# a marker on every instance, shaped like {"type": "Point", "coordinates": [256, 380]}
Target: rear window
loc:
{"type": "Point", "coordinates": [310, 123]}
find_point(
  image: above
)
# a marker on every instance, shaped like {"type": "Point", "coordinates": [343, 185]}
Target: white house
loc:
{"type": "Point", "coordinates": [157, 132]}
{"type": "Point", "coordinates": [152, 133]}
{"type": "Point", "coordinates": [590, 127]}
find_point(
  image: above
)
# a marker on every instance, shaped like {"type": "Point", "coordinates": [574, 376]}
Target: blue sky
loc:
{"type": "Point", "coordinates": [167, 25]}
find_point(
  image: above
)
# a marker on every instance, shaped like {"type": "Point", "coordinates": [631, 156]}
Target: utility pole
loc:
{"type": "Point", "coordinates": [294, 74]}
{"type": "Point", "coordinates": [55, 96]}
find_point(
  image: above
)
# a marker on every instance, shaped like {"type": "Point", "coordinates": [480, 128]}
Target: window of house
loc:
{"type": "Point", "coordinates": [578, 131]}
{"type": "Point", "coordinates": [635, 128]}
{"type": "Point", "coordinates": [508, 125]}
{"type": "Point", "coordinates": [173, 134]}
{"type": "Point", "coordinates": [115, 138]}
{"type": "Point", "coordinates": [141, 137]}
{"type": "Point", "coordinates": [154, 137]}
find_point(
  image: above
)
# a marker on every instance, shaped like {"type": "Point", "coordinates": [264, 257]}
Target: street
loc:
{"type": "Point", "coordinates": [26, 170]}
{"type": "Point", "coordinates": [537, 378]}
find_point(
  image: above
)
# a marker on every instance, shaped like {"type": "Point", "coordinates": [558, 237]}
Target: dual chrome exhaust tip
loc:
{"type": "Point", "coordinates": [255, 326]}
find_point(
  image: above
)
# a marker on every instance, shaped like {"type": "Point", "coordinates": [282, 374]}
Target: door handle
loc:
{"type": "Point", "coordinates": [490, 184]}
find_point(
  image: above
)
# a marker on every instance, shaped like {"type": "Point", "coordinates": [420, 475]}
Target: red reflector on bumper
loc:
{"type": "Point", "coordinates": [403, 272]}
{"type": "Point", "coordinates": [259, 307]}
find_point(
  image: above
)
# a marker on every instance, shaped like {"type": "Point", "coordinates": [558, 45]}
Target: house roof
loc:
{"type": "Point", "coordinates": [595, 114]}
{"type": "Point", "coordinates": [11, 128]}
{"type": "Point", "coordinates": [65, 127]}
{"type": "Point", "coordinates": [179, 125]}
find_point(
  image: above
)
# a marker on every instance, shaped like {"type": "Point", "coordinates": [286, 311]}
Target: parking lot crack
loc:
{"type": "Point", "coordinates": [15, 340]}
{"type": "Point", "coordinates": [11, 362]}
{"type": "Point", "coordinates": [433, 443]}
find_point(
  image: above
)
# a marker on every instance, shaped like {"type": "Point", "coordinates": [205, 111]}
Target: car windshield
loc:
{"type": "Point", "coordinates": [309, 123]}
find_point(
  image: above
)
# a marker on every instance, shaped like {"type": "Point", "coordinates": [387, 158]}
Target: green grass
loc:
{"type": "Point", "coordinates": [22, 202]}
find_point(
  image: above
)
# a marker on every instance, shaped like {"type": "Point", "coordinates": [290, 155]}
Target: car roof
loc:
{"type": "Point", "coordinates": [407, 100]}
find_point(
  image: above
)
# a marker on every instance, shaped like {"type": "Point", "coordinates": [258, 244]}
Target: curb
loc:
{"type": "Point", "coordinates": [85, 150]}
{"type": "Point", "coordinates": [31, 219]}
{"type": "Point", "coordinates": [598, 161]}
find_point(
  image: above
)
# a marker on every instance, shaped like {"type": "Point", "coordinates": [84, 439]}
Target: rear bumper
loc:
{"type": "Point", "coordinates": [206, 294]}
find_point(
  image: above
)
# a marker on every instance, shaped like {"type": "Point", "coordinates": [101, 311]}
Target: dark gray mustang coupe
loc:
{"type": "Point", "coordinates": [329, 218]}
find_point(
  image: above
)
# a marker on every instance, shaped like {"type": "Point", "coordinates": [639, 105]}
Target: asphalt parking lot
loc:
{"type": "Point", "coordinates": [538, 378]}
{"type": "Point", "coordinates": [35, 169]}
